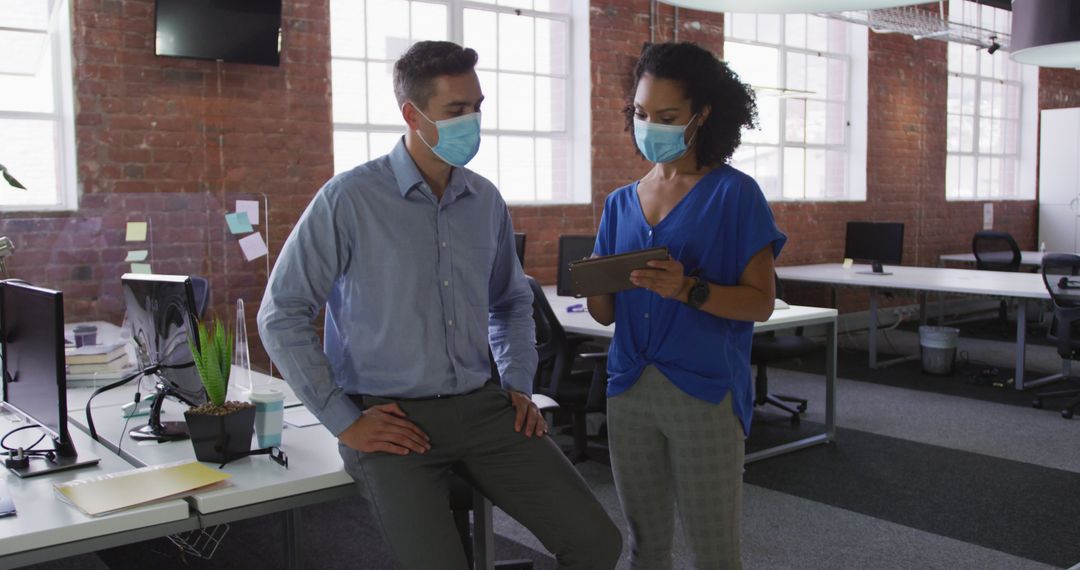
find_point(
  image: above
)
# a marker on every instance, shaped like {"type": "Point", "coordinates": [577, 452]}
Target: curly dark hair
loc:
{"type": "Point", "coordinates": [707, 81]}
{"type": "Point", "coordinates": [416, 70]}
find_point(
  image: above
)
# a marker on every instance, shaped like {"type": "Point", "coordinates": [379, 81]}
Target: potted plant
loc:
{"type": "Point", "coordinates": [10, 179]}
{"type": "Point", "coordinates": [220, 431]}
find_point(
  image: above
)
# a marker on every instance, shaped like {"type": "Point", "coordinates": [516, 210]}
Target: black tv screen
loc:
{"type": "Point", "coordinates": [240, 31]}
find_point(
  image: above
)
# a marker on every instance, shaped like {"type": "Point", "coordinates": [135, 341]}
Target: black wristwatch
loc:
{"type": "Point", "coordinates": [699, 291]}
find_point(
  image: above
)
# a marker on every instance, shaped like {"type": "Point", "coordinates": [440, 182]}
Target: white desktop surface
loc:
{"type": "Point", "coordinates": [44, 520]}
{"type": "Point", "coordinates": [1028, 258]}
{"type": "Point", "coordinates": [936, 279]}
{"type": "Point", "coordinates": [583, 323]}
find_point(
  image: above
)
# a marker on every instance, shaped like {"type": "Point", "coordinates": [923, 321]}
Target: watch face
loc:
{"type": "Point", "coordinates": [699, 293]}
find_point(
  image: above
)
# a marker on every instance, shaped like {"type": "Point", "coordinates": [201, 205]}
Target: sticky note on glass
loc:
{"type": "Point", "coordinates": [238, 223]}
{"type": "Point", "coordinates": [136, 231]}
{"type": "Point", "coordinates": [141, 268]}
{"type": "Point", "coordinates": [251, 208]}
{"type": "Point", "coordinates": [848, 262]}
{"type": "Point", "coordinates": [253, 246]}
{"type": "Point", "coordinates": [136, 255]}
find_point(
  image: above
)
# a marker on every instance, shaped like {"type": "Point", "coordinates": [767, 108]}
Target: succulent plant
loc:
{"type": "Point", "coordinates": [213, 360]}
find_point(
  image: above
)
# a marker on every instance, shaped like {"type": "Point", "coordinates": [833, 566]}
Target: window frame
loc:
{"type": "Point", "coordinates": [62, 117]}
{"type": "Point", "coordinates": [575, 132]}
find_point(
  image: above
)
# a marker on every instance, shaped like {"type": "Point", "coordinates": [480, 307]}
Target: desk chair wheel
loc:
{"type": "Point", "coordinates": [1067, 413]}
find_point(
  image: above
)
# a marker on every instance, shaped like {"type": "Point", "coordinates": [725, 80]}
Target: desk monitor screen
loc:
{"type": "Point", "coordinates": [519, 245]}
{"type": "Point", "coordinates": [35, 382]}
{"type": "Point", "coordinates": [160, 315]}
{"type": "Point", "coordinates": [571, 248]}
{"type": "Point", "coordinates": [875, 243]}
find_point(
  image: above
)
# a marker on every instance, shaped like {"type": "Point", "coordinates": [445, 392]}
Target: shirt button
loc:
{"type": "Point", "coordinates": [646, 315]}
{"type": "Point", "coordinates": [450, 323]}
{"type": "Point", "coordinates": [444, 244]}
{"type": "Point", "coordinates": [445, 283]}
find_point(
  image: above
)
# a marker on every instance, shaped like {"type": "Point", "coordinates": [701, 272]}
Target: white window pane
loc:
{"type": "Point", "coordinates": [795, 120]}
{"type": "Point", "coordinates": [28, 148]}
{"type": "Point", "coordinates": [744, 159]}
{"type": "Point", "coordinates": [552, 43]}
{"type": "Point", "coordinates": [794, 173]}
{"type": "Point", "coordinates": [815, 122]}
{"type": "Point", "coordinates": [835, 175]}
{"type": "Point", "coordinates": [768, 28]}
{"type": "Point", "coordinates": [997, 136]}
{"type": "Point", "coordinates": [997, 105]}
{"type": "Point", "coordinates": [967, 177]}
{"type": "Point", "coordinates": [516, 51]}
{"type": "Point", "coordinates": [428, 21]}
{"type": "Point", "coordinates": [967, 133]}
{"type": "Point", "coordinates": [953, 133]}
{"type": "Point", "coordinates": [969, 62]}
{"type": "Point", "coordinates": [768, 130]}
{"type": "Point", "coordinates": [545, 170]}
{"type": "Point", "coordinates": [967, 96]}
{"type": "Point", "coordinates": [550, 104]}
{"type": "Point", "coordinates": [1009, 168]}
{"type": "Point", "coordinates": [387, 28]}
{"type": "Point", "coordinates": [489, 84]}
{"type": "Point", "coordinates": [492, 2]}
{"type": "Point", "coordinates": [817, 33]}
{"type": "Point", "coordinates": [759, 66]}
{"type": "Point", "coordinates": [815, 174]}
{"type": "Point", "coordinates": [29, 14]}
{"type": "Point", "coordinates": [836, 87]}
{"type": "Point", "coordinates": [986, 64]}
{"type": "Point", "coordinates": [985, 140]}
{"type": "Point", "coordinates": [1011, 136]}
{"type": "Point", "coordinates": [557, 6]}
{"type": "Point", "coordinates": [23, 52]}
{"type": "Point", "coordinates": [516, 104]}
{"type": "Point", "coordinates": [349, 91]}
{"type": "Point", "coordinates": [480, 35]}
{"type": "Point", "coordinates": [955, 95]}
{"type": "Point", "coordinates": [795, 30]}
{"type": "Point", "coordinates": [486, 161]}
{"type": "Point", "coordinates": [768, 171]}
{"type": "Point", "coordinates": [33, 92]}
{"type": "Point", "coordinates": [796, 72]}
{"type": "Point", "coordinates": [838, 36]}
{"type": "Point", "coordinates": [740, 26]}
{"type": "Point", "coordinates": [1012, 101]}
{"type": "Point", "coordinates": [347, 28]}
{"type": "Point", "coordinates": [527, 4]}
{"type": "Point", "coordinates": [517, 169]}
{"type": "Point", "coordinates": [835, 124]}
{"type": "Point", "coordinates": [816, 75]}
{"type": "Point", "coordinates": [382, 105]}
{"type": "Point", "coordinates": [382, 143]}
{"type": "Point", "coordinates": [350, 150]}
{"type": "Point", "coordinates": [955, 57]}
{"type": "Point", "coordinates": [984, 186]}
{"type": "Point", "coordinates": [952, 177]}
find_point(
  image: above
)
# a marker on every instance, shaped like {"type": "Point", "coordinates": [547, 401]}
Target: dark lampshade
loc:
{"type": "Point", "coordinates": [1046, 32]}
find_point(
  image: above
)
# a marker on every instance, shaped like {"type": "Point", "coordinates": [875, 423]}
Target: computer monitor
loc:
{"type": "Point", "coordinates": [519, 245]}
{"type": "Point", "coordinates": [875, 243]}
{"type": "Point", "coordinates": [571, 248]}
{"type": "Point", "coordinates": [161, 315]}
{"type": "Point", "coordinates": [35, 383]}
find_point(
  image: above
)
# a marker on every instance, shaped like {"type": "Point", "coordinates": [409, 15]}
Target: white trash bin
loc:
{"type": "Point", "coordinates": [938, 347]}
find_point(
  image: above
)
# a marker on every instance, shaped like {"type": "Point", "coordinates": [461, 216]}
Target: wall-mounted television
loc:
{"type": "Point", "coordinates": [239, 31]}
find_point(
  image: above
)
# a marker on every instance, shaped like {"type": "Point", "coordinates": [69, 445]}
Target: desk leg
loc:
{"type": "Point", "coordinates": [830, 381]}
{"type": "Point", "coordinates": [483, 533]}
{"type": "Point", "coordinates": [291, 520]}
{"type": "Point", "coordinates": [873, 327]}
{"type": "Point", "coordinates": [1021, 344]}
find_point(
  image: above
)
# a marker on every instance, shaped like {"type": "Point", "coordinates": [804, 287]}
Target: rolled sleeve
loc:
{"type": "Point", "coordinates": [310, 262]}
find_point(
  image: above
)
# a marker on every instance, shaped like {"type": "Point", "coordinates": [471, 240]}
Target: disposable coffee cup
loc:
{"type": "Point", "coordinates": [269, 416]}
{"type": "Point", "coordinates": [85, 335]}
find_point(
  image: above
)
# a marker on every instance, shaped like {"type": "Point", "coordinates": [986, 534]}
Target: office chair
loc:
{"type": "Point", "coordinates": [768, 348]}
{"type": "Point", "coordinates": [519, 246]}
{"type": "Point", "coordinates": [480, 542]}
{"type": "Point", "coordinates": [577, 392]}
{"type": "Point", "coordinates": [1061, 275]}
{"type": "Point", "coordinates": [200, 288]}
{"type": "Point", "coordinates": [996, 251]}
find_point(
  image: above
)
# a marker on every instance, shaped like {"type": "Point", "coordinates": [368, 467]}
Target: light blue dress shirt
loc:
{"type": "Point", "coordinates": [415, 289]}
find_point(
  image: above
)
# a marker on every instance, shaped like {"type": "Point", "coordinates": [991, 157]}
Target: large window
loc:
{"type": "Point", "coordinates": [810, 77]}
{"type": "Point", "coordinates": [37, 140]}
{"type": "Point", "coordinates": [535, 144]}
{"type": "Point", "coordinates": [986, 111]}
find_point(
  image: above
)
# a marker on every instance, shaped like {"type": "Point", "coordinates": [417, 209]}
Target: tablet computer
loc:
{"type": "Point", "coordinates": [610, 273]}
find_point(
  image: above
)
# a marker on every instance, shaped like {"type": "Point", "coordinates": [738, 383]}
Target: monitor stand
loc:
{"type": "Point", "coordinates": [157, 430]}
{"type": "Point", "coordinates": [65, 458]}
{"type": "Point", "coordinates": [876, 269]}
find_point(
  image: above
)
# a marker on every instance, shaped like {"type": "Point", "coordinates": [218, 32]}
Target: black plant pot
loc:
{"type": "Point", "coordinates": [220, 439]}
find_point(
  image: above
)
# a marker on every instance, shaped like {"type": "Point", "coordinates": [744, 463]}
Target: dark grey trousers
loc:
{"type": "Point", "coordinates": [528, 478]}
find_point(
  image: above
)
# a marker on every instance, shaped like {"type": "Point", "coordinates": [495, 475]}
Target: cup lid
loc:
{"type": "Point", "coordinates": [266, 395]}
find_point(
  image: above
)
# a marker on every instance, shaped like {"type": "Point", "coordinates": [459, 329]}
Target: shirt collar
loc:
{"type": "Point", "coordinates": [408, 175]}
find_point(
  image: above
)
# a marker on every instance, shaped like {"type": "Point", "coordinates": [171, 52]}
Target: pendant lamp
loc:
{"type": "Point", "coordinates": [1046, 33]}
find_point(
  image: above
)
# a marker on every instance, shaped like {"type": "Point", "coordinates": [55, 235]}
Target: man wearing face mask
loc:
{"type": "Point", "coordinates": [413, 257]}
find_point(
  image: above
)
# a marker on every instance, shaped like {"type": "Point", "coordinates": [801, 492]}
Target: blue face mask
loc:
{"type": "Point", "coordinates": [459, 138]}
{"type": "Point", "coordinates": [661, 143]}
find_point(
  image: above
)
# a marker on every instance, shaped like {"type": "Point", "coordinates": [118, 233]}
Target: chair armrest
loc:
{"type": "Point", "coordinates": [597, 356]}
{"type": "Point", "coordinates": [545, 403]}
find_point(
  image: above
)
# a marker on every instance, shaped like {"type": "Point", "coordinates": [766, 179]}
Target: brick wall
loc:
{"type": "Point", "coordinates": [175, 141]}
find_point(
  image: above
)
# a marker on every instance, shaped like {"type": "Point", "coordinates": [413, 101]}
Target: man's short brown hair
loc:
{"type": "Point", "coordinates": [416, 70]}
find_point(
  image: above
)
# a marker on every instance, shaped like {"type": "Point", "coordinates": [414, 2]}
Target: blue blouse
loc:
{"type": "Point", "coordinates": [717, 227]}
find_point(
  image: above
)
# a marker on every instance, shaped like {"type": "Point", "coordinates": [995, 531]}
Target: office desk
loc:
{"type": "Point", "coordinates": [47, 528]}
{"type": "Point", "coordinates": [1027, 258]}
{"type": "Point", "coordinates": [790, 318]}
{"type": "Point", "coordinates": [925, 280]}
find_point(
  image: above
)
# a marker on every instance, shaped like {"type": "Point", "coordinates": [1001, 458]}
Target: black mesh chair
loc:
{"type": "Point", "coordinates": [768, 348]}
{"type": "Point", "coordinates": [577, 391]}
{"type": "Point", "coordinates": [1061, 274]}
{"type": "Point", "coordinates": [996, 251]}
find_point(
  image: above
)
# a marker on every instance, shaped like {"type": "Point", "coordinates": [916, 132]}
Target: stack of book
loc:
{"type": "Point", "coordinates": [97, 360]}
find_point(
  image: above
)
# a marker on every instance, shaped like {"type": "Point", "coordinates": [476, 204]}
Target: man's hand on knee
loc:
{"type": "Point", "coordinates": [384, 428]}
{"type": "Point", "coordinates": [529, 416]}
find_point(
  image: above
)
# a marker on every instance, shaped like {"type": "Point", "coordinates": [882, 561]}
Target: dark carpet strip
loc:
{"type": "Point", "coordinates": [1010, 506]}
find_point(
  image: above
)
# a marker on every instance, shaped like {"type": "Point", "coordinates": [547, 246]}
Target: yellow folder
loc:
{"type": "Point", "coordinates": [125, 489]}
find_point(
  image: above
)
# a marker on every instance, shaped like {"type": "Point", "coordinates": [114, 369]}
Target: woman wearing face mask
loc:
{"type": "Point", "coordinates": [680, 395]}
